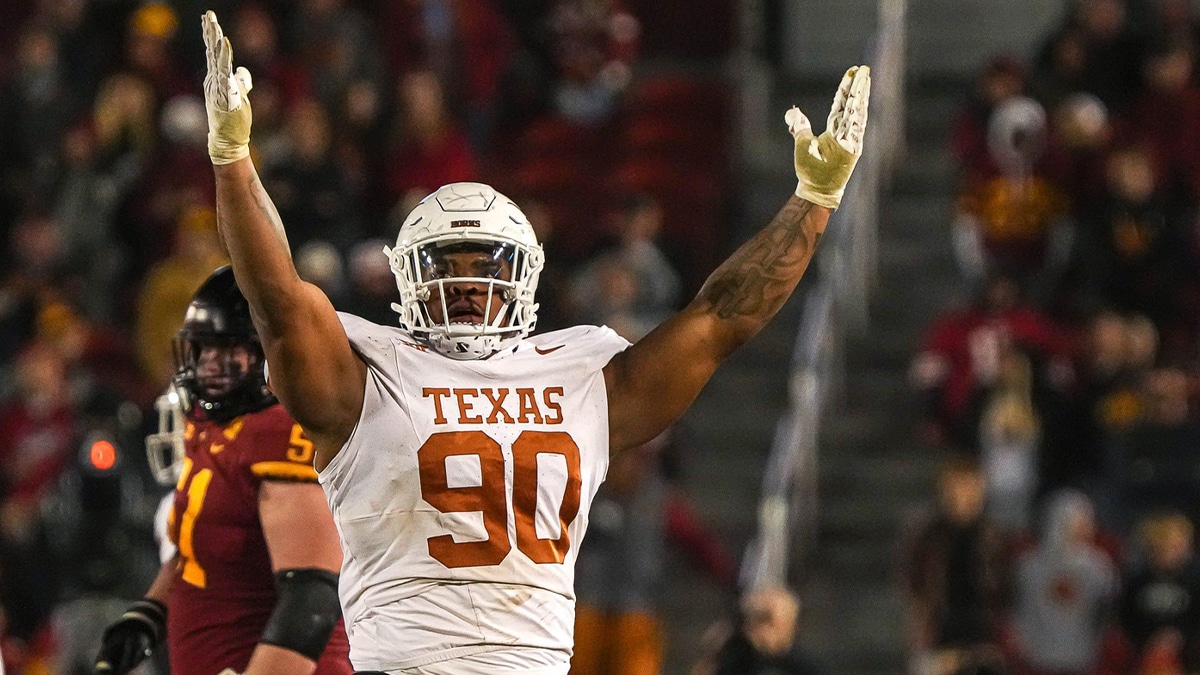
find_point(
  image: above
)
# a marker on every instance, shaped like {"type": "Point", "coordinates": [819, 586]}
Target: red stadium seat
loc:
{"type": "Point", "coordinates": [554, 136]}
{"type": "Point", "coordinates": [698, 143]}
{"type": "Point", "coordinates": [680, 96]}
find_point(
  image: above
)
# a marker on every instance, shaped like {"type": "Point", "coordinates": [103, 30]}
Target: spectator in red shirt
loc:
{"type": "Point", "coordinates": [429, 149]}
{"type": "Point", "coordinates": [468, 44]}
{"type": "Point", "coordinates": [963, 348]}
{"type": "Point", "coordinates": [257, 37]}
{"type": "Point", "coordinates": [37, 433]}
{"type": "Point", "coordinates": [595, 43]}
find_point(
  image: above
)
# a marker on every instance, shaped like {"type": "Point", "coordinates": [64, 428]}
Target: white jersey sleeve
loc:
{"type": "Point", "coordinates": [463, 493]}
{"type": "Point", "coordinates": [162, 524]}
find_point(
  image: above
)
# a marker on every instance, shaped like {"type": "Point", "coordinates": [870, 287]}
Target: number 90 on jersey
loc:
{"type": "Point", "coordinates": [489, 496]}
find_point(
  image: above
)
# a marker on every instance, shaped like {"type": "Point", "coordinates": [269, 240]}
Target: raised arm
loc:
{"type": "Point", "coordinates": [653, 382]}
{"type": "Point", "coordinates": [313, 370]}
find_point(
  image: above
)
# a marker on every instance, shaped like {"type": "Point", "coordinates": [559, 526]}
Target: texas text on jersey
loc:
{"type": "Point", "coordinates": [476, 550]}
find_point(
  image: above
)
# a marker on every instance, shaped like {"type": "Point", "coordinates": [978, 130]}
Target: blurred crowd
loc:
{"type": "Point", "coordinates": [361, 107]}
{"type": "Point", "coordinates": [1065, 393]}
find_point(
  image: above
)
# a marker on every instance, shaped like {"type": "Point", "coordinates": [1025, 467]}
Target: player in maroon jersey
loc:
{"type": "Point", "coordinates": [253, 588]}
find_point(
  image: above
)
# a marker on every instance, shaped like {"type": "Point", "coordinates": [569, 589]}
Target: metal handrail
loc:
{"type": "Point", "coordinates": [835, 308]}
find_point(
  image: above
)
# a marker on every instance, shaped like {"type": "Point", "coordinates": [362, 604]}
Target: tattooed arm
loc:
{"type": "Point", "coordinates": [313, 371]}
{"type": "Point", "coordinates": [653, 382]}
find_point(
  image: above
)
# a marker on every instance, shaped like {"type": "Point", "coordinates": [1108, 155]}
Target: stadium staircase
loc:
{"type": "Point", "coordinates": [872, 470]}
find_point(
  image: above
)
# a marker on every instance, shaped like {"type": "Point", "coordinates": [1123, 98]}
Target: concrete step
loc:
{"type": "Point", "coordinates": [906, 261]}
{"type": "Point", "coordinates": [928, 116]}
{"type": "Point", "coordinates": [854, 428]}
{"type": "Point", "coordinates": [853, 634]}
{"type": "Point", "coordinates": [892, 351]}
{"type": "Point", "coordinates": [917, 216]}
{"type": "Point", "coordinates": [925, 171]}
{"type": "Point", "coordinates": [901, 315]}
{"type": "Point", "coordinates": [865, 519]}
{"type": "Point", "coordinates": [854, 559]}
{"type": "Point", "coordinates": [908, 469]}
{"type": "Point", "coordinates": [742, 434]}
{"type": "Point", "coordinates": [957, 37]}
{"type": "Point", "coordinates": [870, 428]}
{"type": "Point", "coordinates": [873, 471]}
{"type": "Point", "coordinates": [884, 387]}
{"type": "Point", "coordinates": [833, 37]}
{"type": "Point", "coordinates": [891, 434]}
{"type": "Point", "coordinates": [757, 383]}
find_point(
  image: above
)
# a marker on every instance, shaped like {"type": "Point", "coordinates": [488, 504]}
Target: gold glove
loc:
{"type": "Point", "coordinates": [225, 97]}
{"type": "Point", "coordinates": [824, 163]}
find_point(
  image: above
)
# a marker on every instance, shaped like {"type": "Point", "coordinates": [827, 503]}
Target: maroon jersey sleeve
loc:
{"type": "Point", "coordinates": [275, 448]}
{"type": "Point", "coordinates": [225, 591]}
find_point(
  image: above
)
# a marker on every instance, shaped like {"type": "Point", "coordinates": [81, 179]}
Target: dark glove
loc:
{"type": "Point", "coordinates": [130, 640]}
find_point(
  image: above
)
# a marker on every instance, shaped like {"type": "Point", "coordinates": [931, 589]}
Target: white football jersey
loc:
{"type": "Point", "coordinates": [462, 495]}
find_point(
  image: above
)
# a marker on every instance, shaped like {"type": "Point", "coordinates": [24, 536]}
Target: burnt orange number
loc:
{"type": "Point", "coordinates": [487, 497]}
{"type": "Point", "coordinates": [526, 449]}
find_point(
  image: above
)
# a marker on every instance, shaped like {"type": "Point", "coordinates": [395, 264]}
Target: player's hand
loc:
{"type": "Point", "coordinates": [130, 640]}
{"type": "Point", "coordinates": [225, 97]}
{"type": "Point", "coordinates": [824, 163]}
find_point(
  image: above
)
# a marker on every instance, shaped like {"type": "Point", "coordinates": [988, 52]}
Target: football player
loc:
{"type": "Point", "coordinates": [459, 455]}
{"type": "Point", "coordinates": [252, 587]}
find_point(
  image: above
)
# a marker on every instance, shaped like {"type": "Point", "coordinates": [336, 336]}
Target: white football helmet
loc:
{"type": "Point", "coordinates": [165, 449]}
{"type": "Point", "coordinates": [475, 217]}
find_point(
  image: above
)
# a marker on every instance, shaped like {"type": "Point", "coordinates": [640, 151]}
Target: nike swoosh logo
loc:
{"type": "Point", "coordinates": [544, 352]}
